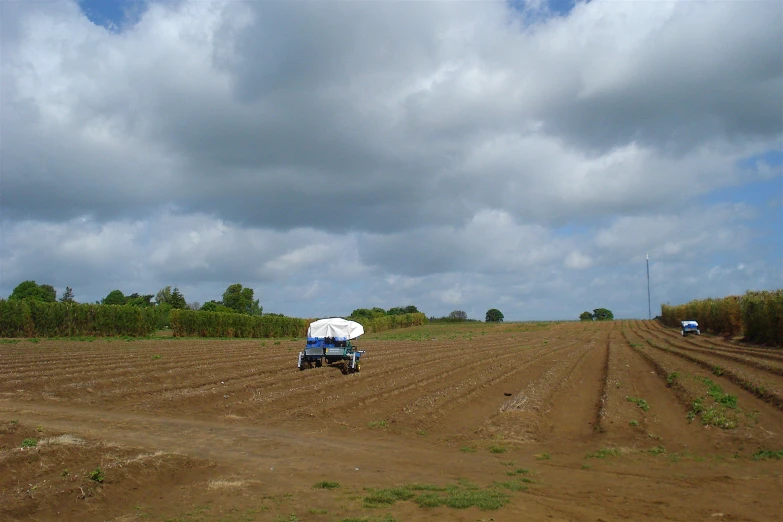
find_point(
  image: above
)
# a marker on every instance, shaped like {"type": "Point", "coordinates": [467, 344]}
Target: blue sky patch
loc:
{"type": "Point", "coordinates": [557, 7]}
{"type": "Point", "coordinates": [114, 15]}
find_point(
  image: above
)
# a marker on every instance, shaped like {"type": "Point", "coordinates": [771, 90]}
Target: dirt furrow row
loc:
{"type": "Point", "coordinates": [447, 398]}
{"type": "Point", "coordinates": [771, 361]}
{"type": "Point", "coordinates": [286, 389]}
{"type": "Point", "coordinates": [681, 344]}
{"type": "Point", "coordinates": [170, 378]}
{"type": "Point", "coordinates": [389, 389]}
{"type": "Point", "coordinates": [766, 387]}
{"type": "Point", "coordinates": [715, 400]}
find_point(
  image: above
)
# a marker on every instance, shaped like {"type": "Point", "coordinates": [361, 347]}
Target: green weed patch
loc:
{"type": "Point", "coordinates": [639, 402]}
{"type": "Point", "coordinates": [462, 495]}
{"type": "Point", "coordinates": [603, 453]}
{"type": "Point", "coordinates": [768, 455]}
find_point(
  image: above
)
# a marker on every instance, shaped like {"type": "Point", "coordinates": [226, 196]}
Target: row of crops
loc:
{"type": "Point", "coordinates": [26, 318]}
{"type": "Point", "coordinates": [187, 323]}
{"type": "Point", "coordinates": [758, 316]}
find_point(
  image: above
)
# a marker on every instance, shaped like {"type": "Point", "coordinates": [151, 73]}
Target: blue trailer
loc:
{"type": "Point", "coordinates": [329, 341]}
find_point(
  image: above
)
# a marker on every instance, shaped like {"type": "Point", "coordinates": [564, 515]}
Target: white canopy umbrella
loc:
{"type": "Point", "coordinates": [336, 327]}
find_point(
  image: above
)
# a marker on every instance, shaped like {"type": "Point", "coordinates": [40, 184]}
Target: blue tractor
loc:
{"type": "Point", "coordinates": [689, 327]}
{"type": "Point", "coordinates": [329, 341]}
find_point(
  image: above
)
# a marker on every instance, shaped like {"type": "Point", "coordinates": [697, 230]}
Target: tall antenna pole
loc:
{"type": "Point", "coordinates": [649, 307]}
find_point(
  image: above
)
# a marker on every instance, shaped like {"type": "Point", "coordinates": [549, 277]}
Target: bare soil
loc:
{"type": "Point", "coordinates": [623, 420]}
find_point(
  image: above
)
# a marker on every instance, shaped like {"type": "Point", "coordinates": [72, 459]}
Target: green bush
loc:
{"type": "Point", "coordinates": [38, 319]}
{"type": "Point", "coordinates": [389, 322]}
{"type": "Point", "coordinates": [195, 323]}
{"type": "Point", "coordinates": [762, 316]}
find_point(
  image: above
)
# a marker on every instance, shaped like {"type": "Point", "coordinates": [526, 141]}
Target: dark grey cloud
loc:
{"type": "Point", "coordinates": [247, 110]}
{"type": "Point", "coordinates": [426, 152]}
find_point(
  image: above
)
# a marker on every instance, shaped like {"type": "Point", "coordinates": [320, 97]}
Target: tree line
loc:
{"type": "Point", "coordinates": [599, 314]}
{"type": "Point", "coordinates": [493, 315]}
{"type": "Point", "coordinates": [236, 298]}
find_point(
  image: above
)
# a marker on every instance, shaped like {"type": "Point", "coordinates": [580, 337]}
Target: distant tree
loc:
{"type": "Point", "coordinates": [51, 292]}
{"type": "Point", "coordinates": [410, 309]}
{"type": "Point", "coordinates": [397, 310]}
{"type": "Point", "coordinates": [30, 290]}
{"type": "Point", "coordinates": [378, 312]}
{"type": "Point", "coordinates": [585, 316]}
{"type": "Point", "coordinates": [195, 305]}
{"type": "Point", "coordinates": [67, 295]}
{"type": "Point", "coordinates": [163, 295]}
{"type": "Point", "coordinates": [216, 306]}
{"type": "Point", "coordinates": [115, 297]}
{"type": "Point", "coordinates": [362, 312]}
{"type": "Point", "coordinates": [241, 300]}
{"type": "Point", "coordinates": [494, 316]}
{"type": "Point", "coordinates": [602, 314]}
{"type": "Point", "coordinates": [458, 315]}
{"type": "Point", "coordinates": [210, 306]}
{"type": "Point", "coordinates": [142, 301]}
{"type": "Point", "coordinates": [177, 300]}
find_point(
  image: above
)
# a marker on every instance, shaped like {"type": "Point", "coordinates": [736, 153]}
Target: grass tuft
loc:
{"type": "Point", "coordinates": [603, 453]}
{"type": "Point", "coordinates": [511, 485]}
{"type": "Point", "coordinates": [387, 496]}
{"type": "Point", "coordinates": [486, 500]}
{"type": "Point", "coordinates": [326, 484]}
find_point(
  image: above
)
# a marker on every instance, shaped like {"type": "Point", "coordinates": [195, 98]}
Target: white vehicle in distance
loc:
{"type": "Point", "coordinates": [690, 327]}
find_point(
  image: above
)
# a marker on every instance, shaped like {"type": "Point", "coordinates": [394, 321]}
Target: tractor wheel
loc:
{"type": "Point", "coordinates": [345, 368]}
{"type": "Point", "coordinates": [358, 367]}
{"type": "Point", "coordinates": [318, 363]}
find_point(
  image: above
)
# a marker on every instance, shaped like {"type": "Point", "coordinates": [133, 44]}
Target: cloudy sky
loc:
{"type": "Point", "coordinates": [457, 155]}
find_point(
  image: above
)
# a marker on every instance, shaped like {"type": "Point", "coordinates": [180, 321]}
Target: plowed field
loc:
{"type": "Point", "coordinates": [623, 420]}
